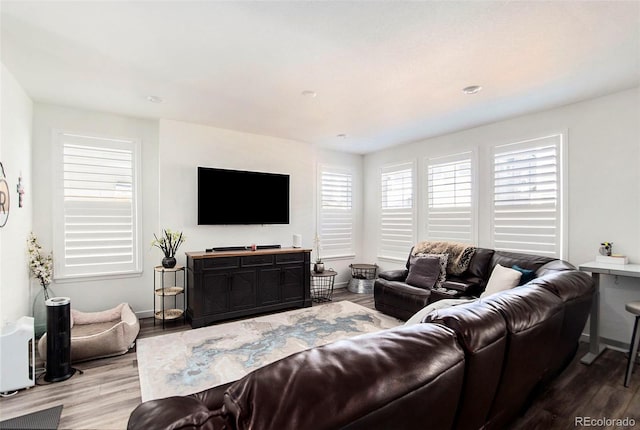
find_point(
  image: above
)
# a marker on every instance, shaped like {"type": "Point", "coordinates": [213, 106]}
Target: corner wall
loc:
{"type": "Point", "coordinates": [16, 114]}
{"type": "Point", "coordinates": [603, 185]}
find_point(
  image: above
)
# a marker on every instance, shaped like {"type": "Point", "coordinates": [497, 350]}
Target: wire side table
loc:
{"type": "Point", "coordinates": [322, 285]}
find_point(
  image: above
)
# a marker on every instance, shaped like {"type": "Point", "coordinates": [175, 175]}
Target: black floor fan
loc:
{"type": "Point", "coordinates": [58, 366]}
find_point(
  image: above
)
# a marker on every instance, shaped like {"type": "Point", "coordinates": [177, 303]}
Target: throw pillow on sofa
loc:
{"type": "Point", "coordinates": [424, 272]}
{"type": "Point", "coordinates": [502, 278]}
{"type": "Point", "coordinates": [527, 275]}
{"type": "Point", "coordinates": [444, 258]}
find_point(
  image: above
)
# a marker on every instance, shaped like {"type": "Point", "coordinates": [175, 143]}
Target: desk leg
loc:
{"type": "Point", "coordinates": [595, 349]}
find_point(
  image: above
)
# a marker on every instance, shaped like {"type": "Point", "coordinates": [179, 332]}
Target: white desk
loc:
{"type": "Point", "coordinates": [596, 269]}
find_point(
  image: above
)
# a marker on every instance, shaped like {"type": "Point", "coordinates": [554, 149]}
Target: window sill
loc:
{"type": "Point", "coordinates": [339, 257]}
{"type": "Point", "coordinates": [392, 259]}
{"type": "Point", "coordinates": [90, 278]}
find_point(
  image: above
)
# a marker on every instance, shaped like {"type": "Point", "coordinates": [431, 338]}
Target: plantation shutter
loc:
{"type": "Point", "coordinates": [450, 202]}
{"type": "Point", "coordinates": [336, 212]}
{"type": "Point", "coordinates": [526, 209]}
{"type": "Point", "coordinates": [397, 231]}
{"type": "Point", "coordinates": [97, 232]}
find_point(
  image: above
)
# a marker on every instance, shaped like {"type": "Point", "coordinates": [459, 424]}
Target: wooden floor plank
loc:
{"type": "Point", "coordinates": [108, 390]}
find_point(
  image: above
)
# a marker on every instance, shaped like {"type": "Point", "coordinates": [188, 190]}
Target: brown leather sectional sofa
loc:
{"type": "Point", "coordinates": [470, 366]}
{"type": "Point", "coordinates": [395, 297]}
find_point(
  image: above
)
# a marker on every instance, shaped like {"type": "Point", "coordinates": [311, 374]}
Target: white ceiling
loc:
{"type": "Point", "coordinates": [385, 72]}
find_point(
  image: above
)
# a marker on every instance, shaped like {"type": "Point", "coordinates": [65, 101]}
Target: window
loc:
{"type": "Point", "coordinates": [527, 197]}
{"type": "Point", "coordinates": [336, 211]}
{"type": "Point", "coordinates": [95, 206]}
{"type": "Point", "coordinates": [450, 199]}
{"type": "Point", "coordinates": [397, 231]}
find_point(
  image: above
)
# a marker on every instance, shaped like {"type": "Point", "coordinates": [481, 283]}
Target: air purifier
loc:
{"type": "Point", "coordinates": [58, 366]}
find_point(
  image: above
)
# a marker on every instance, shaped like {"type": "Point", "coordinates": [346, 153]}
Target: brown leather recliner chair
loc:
{"type": "Point", "coordinates": [393, 296]}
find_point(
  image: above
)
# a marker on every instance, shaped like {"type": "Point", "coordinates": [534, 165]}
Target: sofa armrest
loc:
{"type": "Point", "coordinates": [394, 275]}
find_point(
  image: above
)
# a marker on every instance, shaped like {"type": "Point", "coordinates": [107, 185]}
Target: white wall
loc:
{"type": "Point", "coordinates": [93, 295]}
{"type": "Point", "coordinates": [16, 114]}
{"type": "Point", "coordinates": [185, 146]}
{"type": "Point", "coordinates": [603, 187]}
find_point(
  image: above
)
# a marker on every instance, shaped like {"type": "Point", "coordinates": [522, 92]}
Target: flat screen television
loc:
{"type": "Point", "coordinates": [227, 197]}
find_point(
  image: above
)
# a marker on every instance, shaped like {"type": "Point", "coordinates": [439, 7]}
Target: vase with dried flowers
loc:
{"type": "Point", "coordinates": [41, 268]}
{"type": "Point", "coordinates": [318, 267]}
{"type": "Point", "coordinates": [168, 243]}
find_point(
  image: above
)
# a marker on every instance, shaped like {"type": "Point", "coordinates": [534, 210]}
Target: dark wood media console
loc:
{"type": "Point", "coordinates": [223, 285]}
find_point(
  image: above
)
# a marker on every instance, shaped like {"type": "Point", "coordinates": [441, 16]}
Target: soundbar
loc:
{"type": "Point", "coordinates": [240, 248]}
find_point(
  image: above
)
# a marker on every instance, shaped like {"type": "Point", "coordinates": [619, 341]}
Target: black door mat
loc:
{"type": "Point", "coordinates": [46, 419]}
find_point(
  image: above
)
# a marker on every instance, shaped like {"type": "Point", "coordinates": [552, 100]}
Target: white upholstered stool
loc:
{"type": "Point", "coordinates": [634, 308]}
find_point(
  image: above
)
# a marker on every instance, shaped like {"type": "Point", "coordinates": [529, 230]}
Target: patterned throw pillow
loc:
{"type": "Point", "coordinates": [443, 265]}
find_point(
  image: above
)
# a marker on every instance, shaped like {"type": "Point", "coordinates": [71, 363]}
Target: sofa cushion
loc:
{"type": "Point", "coordinates": [424, 272]}
{"type": "Point", "coordinates": [502, 278]}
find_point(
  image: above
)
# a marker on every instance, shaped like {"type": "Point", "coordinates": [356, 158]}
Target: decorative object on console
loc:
{"type": "Point", "coordinates": [606, 248]}
{"type": "Point", "coordinates": [318, 267]}
{"type": "Point", "coordinates": [169, 243]}
{"type": "Point", "coordinates": [41, 268]}
{"type": "Point", "coordinates": [297, 241]}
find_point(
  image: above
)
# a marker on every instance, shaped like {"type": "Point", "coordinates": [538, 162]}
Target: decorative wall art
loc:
{"type": "Point", "coordinates": [5, 201]}
{"type": "Point", "coordinates": [20, 190]}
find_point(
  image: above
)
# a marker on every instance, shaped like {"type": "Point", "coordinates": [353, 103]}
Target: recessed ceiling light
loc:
{"type": "Point", "coordinates": [309, 93]}
{"type": "Point", "coordinates": [341, 136]}
{"type": "Point", "coordinates": [155, 99]}
{"type": "Point", "coordinates": [472, 89]}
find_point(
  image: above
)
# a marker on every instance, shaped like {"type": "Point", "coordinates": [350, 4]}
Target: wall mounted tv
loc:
{"type": "Point", "coordinates": [240, 197]}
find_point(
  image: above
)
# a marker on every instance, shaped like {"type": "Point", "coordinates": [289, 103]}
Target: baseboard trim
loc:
{"type": "Point", "coordinates": [610, 343]}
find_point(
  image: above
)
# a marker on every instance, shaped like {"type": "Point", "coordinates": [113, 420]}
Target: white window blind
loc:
{"type": "Point", "coordinates": [336, 211]}
{"type": "Point", "coordinates": [527, 210]}
{"type": "Point", "coordinates": [397, 230]}
{"type": "Point", "coordinates": [96, 206]}
{"type": "Point", "coordinates": [450, 200]}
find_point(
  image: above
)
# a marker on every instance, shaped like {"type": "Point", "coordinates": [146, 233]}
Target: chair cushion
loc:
{"type": "Point", "coordinates": [424, 272]}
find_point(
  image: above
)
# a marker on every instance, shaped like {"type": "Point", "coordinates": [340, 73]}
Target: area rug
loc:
{"type": "Point", "coordinates": [194, 360]}
{"type": "Point", "coordinates": [45, 419]}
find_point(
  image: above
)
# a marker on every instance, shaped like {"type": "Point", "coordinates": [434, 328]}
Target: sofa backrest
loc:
{"type": "Point", "coordinates": [406, 377]}
{"type": "Point", "coordinates": [482, 333]}
{"type": "Point", "coordinates": [575, 289]}
{"type": "Point", "coordinates": [533, 319]}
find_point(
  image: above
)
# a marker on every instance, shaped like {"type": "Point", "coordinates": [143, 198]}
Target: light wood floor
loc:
{"type": "Point", "coordinates": [108, 390]}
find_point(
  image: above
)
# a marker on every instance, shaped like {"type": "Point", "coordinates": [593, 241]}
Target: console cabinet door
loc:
{"type": "Point", "coordinates": [215, 292]}
{"type": "Point", "coordinates": [242, 289]}
{"type": "Point", "coordinates": [292, 283]}
{"type": "Point", "coordinates": [269, 286]}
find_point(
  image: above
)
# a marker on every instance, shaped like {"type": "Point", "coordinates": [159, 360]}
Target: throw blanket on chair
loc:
{"type": "Point", "coordinates": [460, 254]}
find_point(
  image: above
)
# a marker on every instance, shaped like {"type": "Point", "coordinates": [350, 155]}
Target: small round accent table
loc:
{"type": "Point", "coordinates": [363, 276]}
{"type": "Point", "coordinates": [322, 285]}
{"type": "Point", "coordinates": [167, 291]}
